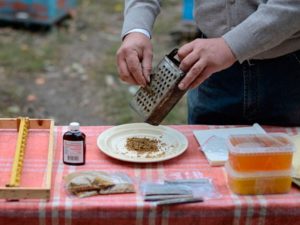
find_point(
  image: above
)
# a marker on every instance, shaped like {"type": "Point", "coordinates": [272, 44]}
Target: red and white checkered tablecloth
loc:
{"type": "Point", "coordinates": [127, 209]}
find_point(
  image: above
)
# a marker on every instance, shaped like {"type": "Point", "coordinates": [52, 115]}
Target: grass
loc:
{"type": "Point", "coordinates": [24, 55]}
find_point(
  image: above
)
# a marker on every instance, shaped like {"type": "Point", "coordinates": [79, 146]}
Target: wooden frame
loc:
{"type": "Point", "coordinates": [31, 192]}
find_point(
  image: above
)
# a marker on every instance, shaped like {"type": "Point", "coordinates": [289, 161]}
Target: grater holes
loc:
{"type": "Point", "coordinates": [141, 103]}
{"type": "Point", "coordinates": [167, 74]}
{"type": "Point", "coordinates": [146, 104]}
{"type": "Point", "coordinates": [174, 77]}
{"type": "Point", "coordinates": [160, 86]}
{"type": "Point", "coordinates": [160, 93]}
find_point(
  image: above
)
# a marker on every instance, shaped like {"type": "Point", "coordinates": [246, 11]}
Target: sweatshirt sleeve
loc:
{"type": "Point", "coordinates": [140, 14]}
{"type": "Point", "coordinates": [272, 23]}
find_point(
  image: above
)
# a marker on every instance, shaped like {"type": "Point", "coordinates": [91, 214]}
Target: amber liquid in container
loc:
{"type": "Point", "coordinates": [74, 147]}
{"type": "Point", "coordinates": [264, 161]}
{"type": "Point", "coordinates": [274, 182]}
{"type": "Point", "coordinates": [250, 153]}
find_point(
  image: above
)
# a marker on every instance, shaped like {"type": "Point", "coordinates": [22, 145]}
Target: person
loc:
{"type": "Point", "coordinates": [244, 69]}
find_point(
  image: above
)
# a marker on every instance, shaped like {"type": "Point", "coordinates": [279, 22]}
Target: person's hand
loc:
{"type": "Point", "coordinates": [134, 59]}
{"type": "Point", "coordinates": [201, 58]}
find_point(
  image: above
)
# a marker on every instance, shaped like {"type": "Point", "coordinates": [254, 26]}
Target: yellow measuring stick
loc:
{"type": "Point", "coordinates": [16, 172]}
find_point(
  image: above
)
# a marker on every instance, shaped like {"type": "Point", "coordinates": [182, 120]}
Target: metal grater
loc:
{"type": "Point", "coordinates": [156, 100]}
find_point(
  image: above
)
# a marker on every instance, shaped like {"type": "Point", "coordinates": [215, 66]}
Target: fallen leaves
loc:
{"type": "Point", "coordinates": [40, 81]}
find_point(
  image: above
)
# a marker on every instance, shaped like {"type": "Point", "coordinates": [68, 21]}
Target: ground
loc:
{"type": "Point", "coordinates": [69, 73]}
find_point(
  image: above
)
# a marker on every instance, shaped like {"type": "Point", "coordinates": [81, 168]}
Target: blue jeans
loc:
{"type": "Point", "coordinates": [256, 91]}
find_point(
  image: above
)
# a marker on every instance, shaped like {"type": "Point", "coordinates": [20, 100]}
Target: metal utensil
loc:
{"type": "Point", "coordinates": [156, 100]}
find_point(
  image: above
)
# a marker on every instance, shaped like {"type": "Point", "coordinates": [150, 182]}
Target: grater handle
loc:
{"type": "Point", "coordinates": [172, 55]}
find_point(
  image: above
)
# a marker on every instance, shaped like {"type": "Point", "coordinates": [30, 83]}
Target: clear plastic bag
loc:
{"type": "Point", "coordinates": [90, 183]}
{"type": "Point", "coordinates": [201, 187]}
{"type": "Point", "coordinates": [174, 191]}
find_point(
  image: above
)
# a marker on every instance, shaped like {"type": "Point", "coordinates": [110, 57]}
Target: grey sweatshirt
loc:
{"type": "Point", "coordinates": [253, 29]}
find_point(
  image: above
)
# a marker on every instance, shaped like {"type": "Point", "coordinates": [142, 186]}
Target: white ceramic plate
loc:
{"type": "Point", "coordinates": [112, 142]}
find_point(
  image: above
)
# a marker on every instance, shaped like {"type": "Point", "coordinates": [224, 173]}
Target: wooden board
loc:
{"type": "Point", "coordinates": [31, 192]}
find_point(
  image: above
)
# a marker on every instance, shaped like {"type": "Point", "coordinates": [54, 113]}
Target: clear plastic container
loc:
{"type": "Point", "coordinates": [256, 183]}
{"type": "Point", "coordinates": [260, 152]}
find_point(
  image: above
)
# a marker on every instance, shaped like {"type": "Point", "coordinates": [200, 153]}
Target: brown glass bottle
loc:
{"type": "Point", "coordinates": [74, 147]}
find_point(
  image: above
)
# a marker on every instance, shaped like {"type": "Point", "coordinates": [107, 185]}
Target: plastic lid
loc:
{"type": "Point", "coordinates": [74, 126]}
{"type": "Point", "coordinates": [260, 143]}
{"type": "Point", "coordinates": [257, 174]}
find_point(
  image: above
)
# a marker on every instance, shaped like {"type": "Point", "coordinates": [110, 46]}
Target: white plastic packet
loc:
{"type": "Point", "coordinates": [216, 150]}
{"type": "Point", "coordinates": [213, 141]}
